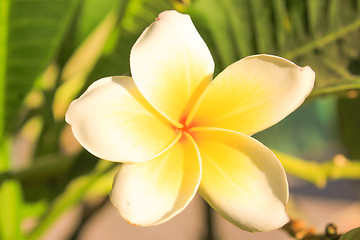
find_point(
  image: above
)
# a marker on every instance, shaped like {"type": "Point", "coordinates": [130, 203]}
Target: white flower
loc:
{"type": "Point", "coordinates": [176, 131]}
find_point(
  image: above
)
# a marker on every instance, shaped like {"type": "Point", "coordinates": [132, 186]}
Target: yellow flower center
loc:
{"type": "Point", "coordinates": [186, 127]}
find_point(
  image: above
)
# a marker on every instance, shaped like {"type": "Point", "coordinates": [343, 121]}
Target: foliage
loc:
{"type": "Point", "coordinates": [351, 235]}
{"type": "Point", "coordinates": [50, 51]}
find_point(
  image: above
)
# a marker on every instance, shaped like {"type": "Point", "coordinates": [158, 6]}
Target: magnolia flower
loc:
{"type": "Point", "coordinates": [178, 132]}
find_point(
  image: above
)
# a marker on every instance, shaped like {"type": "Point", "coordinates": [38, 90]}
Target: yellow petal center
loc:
{"type": "Point", "coordinates": [186, 125]}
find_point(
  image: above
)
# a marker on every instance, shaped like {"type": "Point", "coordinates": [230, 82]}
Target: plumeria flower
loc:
{"type": "Point", "coordinates": [178, 132]}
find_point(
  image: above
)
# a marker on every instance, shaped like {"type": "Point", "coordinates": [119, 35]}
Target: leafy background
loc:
{"type": "Point", "coordinates": [50, 51]}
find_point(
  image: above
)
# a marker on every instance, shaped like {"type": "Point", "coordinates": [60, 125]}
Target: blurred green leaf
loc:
{"type": "Point", "coordinates": [88, 17]}
{"type": "Point", "coordinates": [264, 34]}
{"type": "Point", "coordinates": [351, 235]}
{"type": "Point", "coordinates": [223, 42]}
{"type": "Point", "coordinates": [315, 14]}
{"type": "Point", "coordinates": [282, 23]}
{"type": "Point", "coordinates": [34, 209]}
{"type": "Point", "coordinates": [136, 15]}
{"type": "Point", "coordinates": [92, 13]}
{"type": "Point", "coordinates": [308, 32]}
{"type": "Point", "coordinates": [349, 119]}
{"type": "Point", "coordinates": [10, 209]}
{"type": "Point", "coordinates": [81, 48]}
{"type": "Point", "coordinates": [10, 198]}
{"type": "Point", "coordinates": [74, 193]}
{"type": "Point", "coordinates": [30, 34]}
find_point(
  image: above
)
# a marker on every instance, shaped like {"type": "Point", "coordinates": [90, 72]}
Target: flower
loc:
{"type": "Point", "coordinates": [178, 132]}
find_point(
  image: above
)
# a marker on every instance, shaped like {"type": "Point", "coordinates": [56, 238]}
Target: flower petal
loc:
{"type": "Point", "coordinates": [253, 94]}
{"type": "Point", "coordinates": [152, 192]}
{"type": "Point", "coordinates": [171, 65]}
{"type": "Point", "coordinates": [242, 179]}
{"type": "Point", "coordinates": [114, 122]}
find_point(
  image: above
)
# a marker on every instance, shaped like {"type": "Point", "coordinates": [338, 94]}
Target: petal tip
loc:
{"type": "Point", "coordinates": [307, 70]}
{"type": "Point", "coordinates": [168, 13]}
{"type": "Point", "coordinates": [308, 76]}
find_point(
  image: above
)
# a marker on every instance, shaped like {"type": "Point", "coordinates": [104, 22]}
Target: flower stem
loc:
{"type": "Point", "coordinates": [209, 235]}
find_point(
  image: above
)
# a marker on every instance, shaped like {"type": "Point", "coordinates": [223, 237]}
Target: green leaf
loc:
{"type": "Point", "coordinates": [92, 13]}
{"type": "Point", "coordinates": [349, 119]}
{"type": "Point", "coordinates": [31, 31]}
{"type": "Point", "coordinates": [4, 9]}
{"type": "Point", "coordinates": [89, 16]}
{"type": "Point", "coordinates": [261, 11]}
{"type": "Point", "coordinates": [136, 15]}
{"type": "Point", "coordinates": [10, 198]}
{"type": "Point", "coordinates": [216, 19]}
{"type": "Point", "coordinates": [74, 193]}
{"type": "Point", "coordinates": [351, 235]}
{"type": "Point", "coordinates": [282, 23]}
{"type": "Point", "coordinates": [10, 209]}
{"type": "Point", "coordinates": [239, 18]}
{"type": "Point", "coordinates": [315, 12]}
{"type": "Point", "coordinates": [81, 49]}
{"type": "Point", "coordinates": [313, 33]}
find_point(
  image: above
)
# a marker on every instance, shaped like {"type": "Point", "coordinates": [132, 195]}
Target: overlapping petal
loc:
{"type": "Point", "coordinates": [171, 65]}
{"type": "Point", "coordinates": [242, 179]}
{"type": "Point", "coordinates": [114, 122]}
{"type": "Point", "coordinates": [253, 94]}
{"type": "Point", "coordinates": [152, 192]}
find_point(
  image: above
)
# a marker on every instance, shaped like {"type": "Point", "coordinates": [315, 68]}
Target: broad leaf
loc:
{"type": "Point", "coordinates": [30, 35]}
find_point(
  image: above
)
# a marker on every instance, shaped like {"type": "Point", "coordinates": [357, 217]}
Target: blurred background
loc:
{"type": "Point", "coordinates": [51, 51]}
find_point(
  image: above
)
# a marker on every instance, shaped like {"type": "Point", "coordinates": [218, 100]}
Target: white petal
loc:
{"type": "Point", "coordinates": [171, 65]}
{"type": "Point", "coordinates": [114, 122]}
{"type": "Point", "coordinates": [242, 179]}
{"type": "Point", "coordinates": [253, 94]}
{"type": "Point", "coordinates": [152, 192]}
